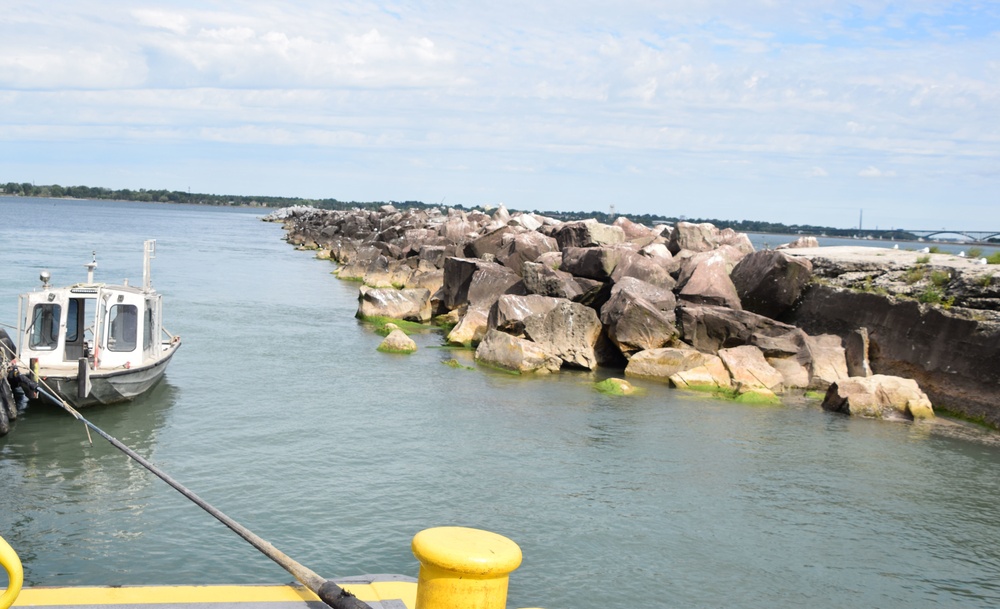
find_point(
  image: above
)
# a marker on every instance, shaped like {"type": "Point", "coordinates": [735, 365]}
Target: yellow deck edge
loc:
{"type": "Point", "coordinates": [154, 595]}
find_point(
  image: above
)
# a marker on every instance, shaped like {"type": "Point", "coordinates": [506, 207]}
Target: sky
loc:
{"type": "Point", "coordinates": [803, 112]}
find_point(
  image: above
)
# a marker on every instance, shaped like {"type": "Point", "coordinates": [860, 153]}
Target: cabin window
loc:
{"type": "Point", "coordinates": [45, 326]}
{"type": "Point", "coordinates": [123, 327]}
{"type": "Point", "coordinates": [147, 334]}
{"type": "Point", "coordinates": [73, 321]}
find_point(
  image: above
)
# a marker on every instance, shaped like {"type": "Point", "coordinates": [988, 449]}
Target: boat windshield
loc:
{"type": "Point", "coordinates": [124, 326]}
{"type": "Point", "coordinates": [45, 326]}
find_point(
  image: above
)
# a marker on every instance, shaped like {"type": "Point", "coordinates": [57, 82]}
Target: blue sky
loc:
{"type": "Point", "coordinates": [800, 112]}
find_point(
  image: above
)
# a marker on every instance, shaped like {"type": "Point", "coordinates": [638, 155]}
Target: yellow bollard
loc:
{"type": "Point", "coordinates": [15, 574]}
{"type": "Point", "coordinates": [463, 568]}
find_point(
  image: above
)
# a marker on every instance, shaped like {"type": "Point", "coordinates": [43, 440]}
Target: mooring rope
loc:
{"type": "Point", "coordinates": [327, 591]}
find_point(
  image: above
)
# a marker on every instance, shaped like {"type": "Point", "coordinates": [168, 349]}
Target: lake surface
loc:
{"type": "Point", "coordinates": [280, 412]}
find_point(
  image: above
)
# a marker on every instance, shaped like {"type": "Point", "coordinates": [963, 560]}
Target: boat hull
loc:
{"type": "Point", "coordinates": [110, 387]}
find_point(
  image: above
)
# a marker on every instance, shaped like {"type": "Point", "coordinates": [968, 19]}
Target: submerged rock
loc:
{"type": "Point", "coordinates": [397, 342]}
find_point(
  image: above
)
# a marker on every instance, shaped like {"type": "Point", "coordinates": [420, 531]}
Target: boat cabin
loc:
{"type": "Point", "coordinates": [111, 326]}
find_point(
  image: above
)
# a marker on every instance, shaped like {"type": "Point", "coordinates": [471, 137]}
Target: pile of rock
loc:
{"type": "Point", "coordinates": [692, 305]}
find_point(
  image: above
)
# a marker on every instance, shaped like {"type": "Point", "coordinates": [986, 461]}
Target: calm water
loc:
{"type": "Point", "coordinates": [279, 411]}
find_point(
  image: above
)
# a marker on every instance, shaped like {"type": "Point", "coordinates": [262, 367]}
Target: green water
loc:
{"type": "Point", "coordinates": [280, 412]}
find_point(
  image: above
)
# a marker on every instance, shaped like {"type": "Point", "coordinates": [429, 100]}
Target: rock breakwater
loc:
{"type": "Point", "coordinates": [689, 304]}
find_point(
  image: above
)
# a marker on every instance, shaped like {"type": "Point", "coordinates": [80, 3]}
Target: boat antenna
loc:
{"type": "Point", "coordinates": [91, 266]}
{"type": "Point", "coordinates": [148, 252]}
{"type": "Point", "coordinates": [327, 591]}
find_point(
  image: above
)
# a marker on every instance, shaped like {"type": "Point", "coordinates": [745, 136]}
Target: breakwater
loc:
{"type": "Point", "coordinates": [689, 304]}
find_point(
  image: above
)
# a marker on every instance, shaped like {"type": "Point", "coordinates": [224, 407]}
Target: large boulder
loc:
{"type": "Point", "coordinates": [569, 331]}
{"type": "Point", "coordinates": [634, 323]}
{"type": "Point", "coordinates": [825, 357]}
{"type": "Point", "coordinates": [517, 248]}
{"type": "Point", "coordinates": [710, 328]}
{"type": "Point", "coordinates": [879, 396]}
{"type": "Point", "coordinates": [485, 286]}
{"type": "Point", "coordinates": [687, 261]}
{"type": "Point", "coordinates": [509, 311]}
{"type": "Point", "coordinates": [425, 276]}
{"type": "Point", "coordinates": [587, 233]}
{"type": "Point", "coordinates": [659, 253]}
{"type": "Point", "coordinates": [794, 374]}
{"type": "Point", "coordinates": [489, 244]}
{"type": "Point", "coordinates": [710, 376]}
{"type": "Point", "coordinates": [749, 370]}
{"type": "Point", "coordinates": [706, 237]}
{"type": "Point", "coordinates": [591, 262]}
{"type": "Point", "coordinates": [634, 264]}
{"type": "Point", "coordinates": [469, 280]}
{"type": "Point", "coordinates": [458, 228]}
{"type": "Point", "coordinates": [508, 352]}
{"type": "Point", "coordinates": [662, 298]}
{"type": "Point", "coordinates": [471, 327]}
{"type": "Point", "coordinates": [408, 304]}
{"type": "Point", "coordinates": [710, 284]}
{"type": "Point", "coordinates": [770, 282]}
{"type": "Point", "coordinates": [546, 281]}
{"type": "Point", "coordinates": [661, 364]}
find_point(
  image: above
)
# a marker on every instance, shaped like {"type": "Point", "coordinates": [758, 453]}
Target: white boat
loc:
{"type": "Point", "coordinates": [93, 343]}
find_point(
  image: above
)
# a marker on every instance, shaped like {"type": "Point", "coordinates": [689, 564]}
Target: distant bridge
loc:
{"type": "Point", "coordinates": [973, 235]}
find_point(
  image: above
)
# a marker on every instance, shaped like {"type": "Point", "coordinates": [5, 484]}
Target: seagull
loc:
{"type": "Point", "coordinates": [895, 247]}
{"type": "Point", "coordinates": [982, 261]}
{"type": "Point", "coordinates": [926, 250]}
{"type": "Point", "coordinates": [961, 254]}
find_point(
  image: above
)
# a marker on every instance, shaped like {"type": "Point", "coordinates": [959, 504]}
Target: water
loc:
{"type": "Point", "coordinates": [767, 240]}
{"type": "Point", "coordinates": [279, 411]}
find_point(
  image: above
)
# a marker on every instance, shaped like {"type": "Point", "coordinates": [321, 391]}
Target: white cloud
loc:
{"type": "Point", "coordinates": [874, 172]}
{"type": "Point", "coordinates": [817, 172]}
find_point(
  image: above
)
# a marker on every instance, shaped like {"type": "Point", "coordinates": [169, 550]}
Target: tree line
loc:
{"type": "Point", "coordinates": [27, 189]}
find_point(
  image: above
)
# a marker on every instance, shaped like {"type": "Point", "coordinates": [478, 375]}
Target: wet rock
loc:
{"type": "Point", "coordinates": [710, 376]}
{"type": "Point", "coordinates": [749, 371]}
{"type": "Point", "coordinates": [407, 304]}
{"type": "Point", "coordinates": [471, 327]}
{"type": "Point", "coordinates": [661, 364]}
{"type": "Point", "coordinates": [794, 374]}
{"type": "Point", "coordinates": [397, 342]}
{"type": "Point", "coordinates": [568, 331]}
{"type": "Point", "coordinates": [879, 396]}
{"type": "Point", "coordinates": [508, 352]}
{"type": "Point", "coordinates": [615, 386]}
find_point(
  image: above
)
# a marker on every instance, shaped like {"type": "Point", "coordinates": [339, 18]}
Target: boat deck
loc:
{"type": "Point", "coordinates": [379, 591]}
